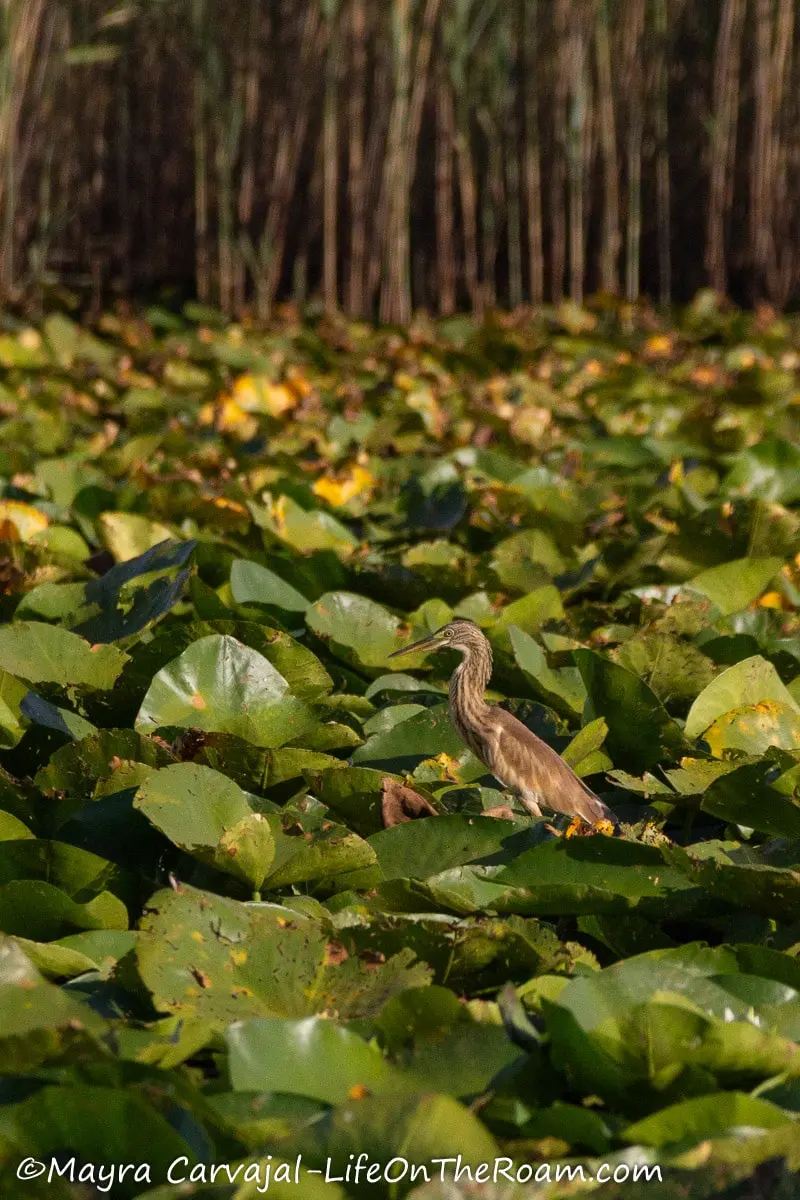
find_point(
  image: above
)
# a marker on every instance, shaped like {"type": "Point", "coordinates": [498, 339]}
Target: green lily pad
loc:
{"type": "Point", "coordinates": [597, 874]}
{"type": "Point", "coordinates": [641, 1018]}
{"type": "Point", "coordinates": [703, 1117]}
{"type": "Point", "coordinates": [527, 560]}
{"type": "Point", "coordinates": [42, 712]}
{"type": "Point", "coordinates": [55, 961]}
{"type": "Point", "coordinates": [353, 794]}
{"type": "Point", "coordinates": [769, 470]}
{"type": "Point", "coordinates": [251, 583]}
{"type": "Point", "coordinates": [466, 953]}
{"type": "Point", "coordinates": [302, 670]}
{"type": "Point", "coordinates": [426, 735]}
{"type": "Point", "coordinates": [311, 979]}
{"type": "Point", "coordinates": [640, 730]}
{"type": "Point", "coordinates": [311, 1058]}
{"type": "Point", "coordinates": [357, 629]}
{"type": "Point", "coordinates": [75, 770]}
{"type": "Point", "coordinates": [12, 694]}
{"type": "Point", "coordinates": [42, 653]}
{"type": "Point", "coordinates": [674, 669]}
{"type": "Point", "coordinates": [29, 1005]}
{"type": "Point", "coordinates": [100, 945]}
{"type": "Point", "coordinates": [31, 908]}
{"type": "Point", "coordinates": [773, 892]}
{"type": "Point", "coordinates": [207, 814]}
{"type": "Point", "coordinates": [87, 1117]}
{"type": "Point", "coordinates": [69, 342]}
{"type": "Point", "coordinates": [310, 850]}
{"type": "Point", "coordinates": [387, 718]}
{"type": "Point", "coordinates": [419, 849]}
{"type": "Point", "coordinates": [734, 585]}
{"type": "Point", "coordinates": [220, 685]}
{"type": "Point", "coordinates": [563, 689]}
{"type": "Point", "coordinates": [203, 955]}
{"type": "Point", "coordinates": [11, 828]}
{"type": "Point", "coordinates": [754, 728]}
{"type": "Point", "coordinates": [305, 530]}
{"type": "Point", "coordinates": [750, 682]}
{"type": "Point", "coordinates": [62, 540]}
{"type": "Point", "coordinates": [584, 753]}
{"type": "Point", "coordinates": [427, 1126]}
{"type": "Point", "coordinates": [528, 613]}
{"type": "Point", "coordinates": [58, 602]}
{"type": "Point", "coordinates": [129, 535]}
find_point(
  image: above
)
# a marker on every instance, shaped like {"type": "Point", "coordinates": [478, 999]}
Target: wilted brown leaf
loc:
{"type": "Point", "coordinates": [400, 803]}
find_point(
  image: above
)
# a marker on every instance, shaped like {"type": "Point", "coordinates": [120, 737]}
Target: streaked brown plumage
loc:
{"type": "Point", "coordinates": [513, 754]}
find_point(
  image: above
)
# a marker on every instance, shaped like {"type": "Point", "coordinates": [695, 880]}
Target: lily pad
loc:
{"type": "Point", "coordinates": [770, 470]}
{"type": "Point", "coordinates": [203, 955]}
{"type": "Point", "coordinates": [429, 734]}
{"type": "Point", "coordinates": [251, 583]}
{"type": "Point", "coordinates": [640, 1019]}
{"type": "Point", "coordinates": [419, 849]}
{"type": "Point", "coordinates": [563, 689]}
{"type": "Point", "coordinates": [29, 1005]}
{"type": "Point", "coordinates": [359, 942]}
{"type": "Point", "coordinates": [357, 629]}
{"type": "Point", "coordinates": [584, 753]}
{"type": "Point", "coordinates": [207, 814]}
{"type": "Point", "coordinates": [744, 797]}
{"type": "Point", "coordinates": [305, 530]}
{"type": "Point", "coordinates": [640, 730]}
{"type": "Point", "coordinates": [529, 613]}
{"type": "Point", "coordinates": [527, 560]}
{"type": "Point", "coordinates": [750, 682]}
{"type": "Point", "coordinates": [302, 670]}
{"type": "Point", "coordinates": [702, 1117]}
{"type": "Point", "coordinates": [674, 669]}
{"type": "Point", "coordinates": [754, 728]}
{"type": "Point", "coordinates": [311, 1058]}
{"type": "Point", "coordinates": [308, 849]}
{"type": "Point", "coordinates": [42, 912]}
{"type": "Point", "coordinates": [12, 695]}
{"type": "Point", "coordinates": [11, 828]}
{"type": "Point", "coordinates": [597, 874]}
{"type": "Point", "coordinates": [734, 585]}
{"type": "Point", "coordinates": [42, 712]}
{"type": "Point", "coordinates": [75, 770]}
{"type": "Point", "coordinates": [42, 653]}
{"type": "Point", "coordinates": [220, 685]}
{"type": "Point", "coordinates": [129, 535]}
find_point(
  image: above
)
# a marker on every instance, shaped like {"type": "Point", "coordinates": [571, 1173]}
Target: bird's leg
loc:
{"type": "Point", "coordinates": [529, 799]}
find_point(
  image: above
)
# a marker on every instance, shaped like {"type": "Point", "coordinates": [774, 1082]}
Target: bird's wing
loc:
{"type": "Point", "coordinates": [523, 761]}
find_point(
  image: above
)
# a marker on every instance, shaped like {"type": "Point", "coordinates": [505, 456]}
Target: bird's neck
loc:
{"type": "Point", "coordinates": [467, 705]}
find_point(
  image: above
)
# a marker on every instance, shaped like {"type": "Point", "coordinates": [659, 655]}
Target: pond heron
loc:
{"type": "Point", "coordinates": [514, 755]}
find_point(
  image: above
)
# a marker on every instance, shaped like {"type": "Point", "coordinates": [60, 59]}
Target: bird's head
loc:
{"type": "Point", "coordinates": [461, 634]}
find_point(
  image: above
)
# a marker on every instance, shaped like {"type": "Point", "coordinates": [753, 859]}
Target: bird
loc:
{"type": "Point", "coordinates": [513, 753]}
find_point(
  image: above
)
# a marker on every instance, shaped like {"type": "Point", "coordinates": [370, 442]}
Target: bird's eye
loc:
{"type": "Point", "coordinates": [448, 633]}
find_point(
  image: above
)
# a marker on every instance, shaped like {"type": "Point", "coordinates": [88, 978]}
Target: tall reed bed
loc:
{"type": "Point", "coordinates": [391, 154]}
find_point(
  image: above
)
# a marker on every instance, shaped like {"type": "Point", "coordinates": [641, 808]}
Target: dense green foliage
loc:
{"type": "Point", "coordinates": [224, 940]}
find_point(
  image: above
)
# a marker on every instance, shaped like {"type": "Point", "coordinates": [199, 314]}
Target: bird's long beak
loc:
{"type": "Point", "coordinates": [423, 644]}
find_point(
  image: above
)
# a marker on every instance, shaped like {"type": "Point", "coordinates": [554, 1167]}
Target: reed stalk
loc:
{"type": "Point", "coordinates": [357, 179]}
{"type": "Point", "coordinates": [416, 152]}
{"type": "Point", "coordinates": [727, 67]}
